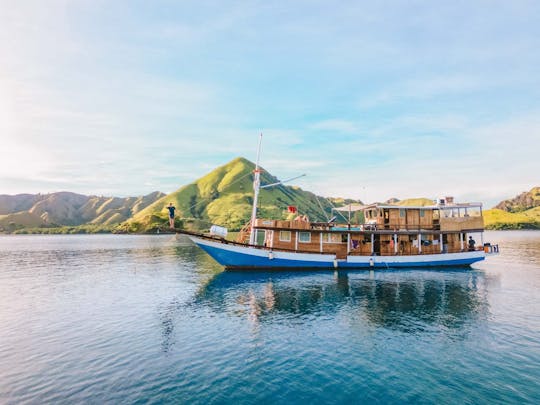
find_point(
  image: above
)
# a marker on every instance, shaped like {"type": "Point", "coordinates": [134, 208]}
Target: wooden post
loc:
{"type": "Point", "coordinates": [372, 244]}
{"type": "Point", "coordinates": [419, 243]}
{"type": "Point", "coordinates": [320, 240]}
{"type": "Point", "coordinates": [441, 242]}
{"type": "Point", "coordinates": [461, 240]}
{"type": "Point", "coordinates": [296, 242]}
{"type": "Point", "coordinates": [395, 244]}
{"type": "Point", "coordinates": [349, 241]}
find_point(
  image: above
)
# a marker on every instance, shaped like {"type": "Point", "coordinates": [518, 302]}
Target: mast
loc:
{"type": "Point", "coordinates": [256, 187]}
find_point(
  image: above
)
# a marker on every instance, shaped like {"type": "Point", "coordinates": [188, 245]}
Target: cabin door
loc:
{"type": "Point", "coordinates": [377, 245]}
{"type": "Point", "coordinates": [260, 237]}
{"type": "Point", "coordinates": [386, 214]}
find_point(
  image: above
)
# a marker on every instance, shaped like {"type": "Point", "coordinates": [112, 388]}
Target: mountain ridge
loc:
{"type": "Point", "coordinates": [65, 208]}
{"type": "Point", "coordinates": [522, 202]}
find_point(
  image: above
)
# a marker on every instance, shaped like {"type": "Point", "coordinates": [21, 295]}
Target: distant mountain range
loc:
{"type": "Point", "coordinates": [68, 209]}
{"type": "Point", "coordinates": [224, 197]}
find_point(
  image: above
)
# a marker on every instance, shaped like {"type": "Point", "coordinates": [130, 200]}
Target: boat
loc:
{"type": "Point", "coordinates": [372, 236]}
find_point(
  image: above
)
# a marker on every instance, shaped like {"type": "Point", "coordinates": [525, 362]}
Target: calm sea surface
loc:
{"type": "Point", "coordinates": [152, 319]}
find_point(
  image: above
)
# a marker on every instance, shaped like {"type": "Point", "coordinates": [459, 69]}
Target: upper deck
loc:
{"type": "Point", "coordinates": [385, 218]}
{"type": "Point", "coordinates": [447, 217]}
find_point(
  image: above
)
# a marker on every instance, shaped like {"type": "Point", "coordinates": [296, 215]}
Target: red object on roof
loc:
{"type": "Point", "coordinates": [292, 209]}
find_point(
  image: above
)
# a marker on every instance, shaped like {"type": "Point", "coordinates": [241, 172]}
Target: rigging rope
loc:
{"type": "Point", "coordinates": [322, 209]}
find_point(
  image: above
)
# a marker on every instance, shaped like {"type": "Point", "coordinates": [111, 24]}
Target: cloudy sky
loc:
{"type": "Point", "coordinates": [371, 99]}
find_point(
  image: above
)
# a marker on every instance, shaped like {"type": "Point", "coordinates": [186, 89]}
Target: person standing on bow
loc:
{"type": "Point", "coordinates": [171, 209]}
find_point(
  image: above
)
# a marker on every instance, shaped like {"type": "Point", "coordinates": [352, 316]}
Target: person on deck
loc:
{"type": "Point", "coordinates": [471, 243]}
{"type": "Point", "coordinates": [171, 209]}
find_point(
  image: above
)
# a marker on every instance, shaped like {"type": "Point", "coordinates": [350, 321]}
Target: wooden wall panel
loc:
{"type": "Point", "coordinates": [461, 224]}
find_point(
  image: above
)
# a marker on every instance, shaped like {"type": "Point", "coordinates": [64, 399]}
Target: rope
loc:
{"type": "Point", "coordinates": [322, 209]}
{"type": "Point", "coordinates": [339, 212]}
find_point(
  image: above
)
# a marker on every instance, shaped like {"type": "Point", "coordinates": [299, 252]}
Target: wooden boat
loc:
{"type": "Point", "coordinates": [384, 236]}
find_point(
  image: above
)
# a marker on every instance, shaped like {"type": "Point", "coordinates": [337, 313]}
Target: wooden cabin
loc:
{"type": "Point", "coordinates": [386, 230]}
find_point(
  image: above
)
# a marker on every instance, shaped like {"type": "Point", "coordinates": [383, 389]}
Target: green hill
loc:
{"type": "Point", "coordinates": [224, 197]}
{"type": "Point", "coordinates": [498, 219]}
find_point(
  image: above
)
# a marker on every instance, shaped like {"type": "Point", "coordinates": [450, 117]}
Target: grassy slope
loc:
{"type": "Point", "coordinates": [422, 202]}
{"type": "Point", "coordinates": [499, 219]}
{"type": "Point", "coordinates": [10, 222]}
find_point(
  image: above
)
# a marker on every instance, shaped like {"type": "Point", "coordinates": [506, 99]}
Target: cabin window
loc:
{"type": "Point", "coordinates": [401, 213]}
{"type": "Point", "coordinates": [331, 237]}
{"type": "Point", "coordinates": [304, 237]}
{"type": "Point", "coordinates": [284, 236]}
{"type": "Point", "coordinates": [436, 214]}
{"type": "Point", "coordinates": [422, 213]}
{"type": "Point", "coordinates": [260, 237]}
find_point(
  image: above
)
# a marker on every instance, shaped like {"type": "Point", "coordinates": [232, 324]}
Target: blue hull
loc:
{"type": "Point", "coordinates": [234, 256]}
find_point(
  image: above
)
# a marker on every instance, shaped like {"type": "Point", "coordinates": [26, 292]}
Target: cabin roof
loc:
{"type": "Point", "coordinates": [426, 207]}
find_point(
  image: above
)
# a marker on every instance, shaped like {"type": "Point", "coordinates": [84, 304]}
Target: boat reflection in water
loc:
{"type": "Point", "coordinates": [391, 299]}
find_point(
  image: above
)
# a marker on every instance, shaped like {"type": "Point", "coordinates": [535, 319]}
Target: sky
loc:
{"type": "Point", "coordinates": [371, 100]}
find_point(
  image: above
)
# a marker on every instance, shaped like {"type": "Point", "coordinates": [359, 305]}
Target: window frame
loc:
{"type": "Point", "coordinates": [281, 233]}
{"type": "Point", "coordinates": [327, 236]}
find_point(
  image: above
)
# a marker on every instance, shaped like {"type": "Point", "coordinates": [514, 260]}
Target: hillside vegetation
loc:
{"type": "Point", "coordinates": [224, 197]}
{"type": "Point", "coordinates": [499, 219]}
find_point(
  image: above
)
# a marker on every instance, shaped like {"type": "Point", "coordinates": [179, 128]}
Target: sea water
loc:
{"type": "Point", "coordinates": [152, 319]}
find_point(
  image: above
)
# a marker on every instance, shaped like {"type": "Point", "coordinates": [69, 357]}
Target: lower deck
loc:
{"type": "Point", "coordinates": [349, 243]}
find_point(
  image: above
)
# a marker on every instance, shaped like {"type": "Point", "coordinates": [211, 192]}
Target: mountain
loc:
{"type": "Point", "coordinates": [225, 196]}
{"type": "Point", "coordinates": [520, 212]}
{"type": "Point", "coordinates": [68, 209]}
{"type": "Point", "coordinates": [523, 202]}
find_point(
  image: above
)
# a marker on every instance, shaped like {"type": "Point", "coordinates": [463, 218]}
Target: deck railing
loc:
{"type": "Point", "coordinates": [474, 223]}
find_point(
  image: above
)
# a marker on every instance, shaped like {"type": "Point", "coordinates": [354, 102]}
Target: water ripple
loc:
{"type": "Point", "coordinates": [151, 319]}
